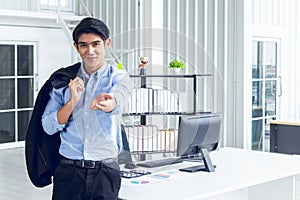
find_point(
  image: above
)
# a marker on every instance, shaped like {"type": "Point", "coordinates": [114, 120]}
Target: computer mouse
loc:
{"type": "Point", "coordinates": [130, 166]}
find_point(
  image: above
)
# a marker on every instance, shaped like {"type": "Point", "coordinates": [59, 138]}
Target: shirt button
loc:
{"type": "Point", "coordinates": [87, 127]}
{"type": "Point", "coordinates": [86, 113]}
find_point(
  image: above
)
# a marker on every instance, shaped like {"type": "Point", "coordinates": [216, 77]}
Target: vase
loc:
{"type": "Point", "coordinates": [177, 70]}
{"type": "Point", "coordinates": [143, 71]}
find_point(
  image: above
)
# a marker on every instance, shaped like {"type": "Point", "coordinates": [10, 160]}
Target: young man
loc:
{"type": "Point", "coordinates": [86, 114]}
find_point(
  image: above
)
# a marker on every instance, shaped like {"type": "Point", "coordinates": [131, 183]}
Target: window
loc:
{"type": "Point", "coordinates": [264, 90]}
{"type": "Point", "coordinates": [17, 90]}
{"type": "Point", "coordinates": [64, 5]}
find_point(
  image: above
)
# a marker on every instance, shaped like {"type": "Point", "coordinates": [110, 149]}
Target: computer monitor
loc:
{"type": "Point", "coordinates": [197, 136]}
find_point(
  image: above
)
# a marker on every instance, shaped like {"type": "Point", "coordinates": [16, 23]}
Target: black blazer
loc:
{"type": "Point", "coordinates": [41, 149]}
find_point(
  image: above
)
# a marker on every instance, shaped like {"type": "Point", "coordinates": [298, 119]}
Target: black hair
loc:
{"type": "Point", "coordinates": [91, 25]}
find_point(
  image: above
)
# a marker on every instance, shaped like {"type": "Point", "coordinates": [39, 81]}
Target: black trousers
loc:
{"type": "Point", "coordinates": [73, 182]}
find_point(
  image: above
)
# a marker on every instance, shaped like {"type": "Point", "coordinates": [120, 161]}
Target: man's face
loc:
{"type": "Point", "coordinates": [92, 51]}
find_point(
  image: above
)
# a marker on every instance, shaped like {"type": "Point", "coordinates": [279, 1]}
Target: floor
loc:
{"type": "Point", "coordinates": [15, 184]}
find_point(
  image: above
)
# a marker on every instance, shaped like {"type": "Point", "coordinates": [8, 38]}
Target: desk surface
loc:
{"type": "Point", "coordinates": [292, 123]}
{"type": "Point", "coordinates": [236, 169]}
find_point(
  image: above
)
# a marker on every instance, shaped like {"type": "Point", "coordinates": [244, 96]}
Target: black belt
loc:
{"type": "Point", "coordinates": [87, 163]}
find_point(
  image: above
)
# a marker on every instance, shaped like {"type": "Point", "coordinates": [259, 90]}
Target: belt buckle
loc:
{"type": "Point", "coordinates": [88, 164]}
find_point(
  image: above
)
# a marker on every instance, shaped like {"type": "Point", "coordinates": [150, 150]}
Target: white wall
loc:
{"type": "Point", "coordinates": [224, 28]}
{"type": "Point", "coordinates": [290, 100]}
{"type": "Point", "coordinates": [210, 37]}
{"type": "Point", "coordinates": [281, 20]}
{"type": "Point", "coordinates": [53, 48]}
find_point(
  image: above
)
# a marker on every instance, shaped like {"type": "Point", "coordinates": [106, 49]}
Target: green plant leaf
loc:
{"type": "Point", "coordinates": [176, 64]}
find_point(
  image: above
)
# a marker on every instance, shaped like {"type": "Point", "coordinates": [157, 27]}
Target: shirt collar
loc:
{"type": "Point", "coordinates": [97, 74]}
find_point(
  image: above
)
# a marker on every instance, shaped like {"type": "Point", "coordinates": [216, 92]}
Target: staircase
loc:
{"type": "Point", "coordinates": [68, 26]}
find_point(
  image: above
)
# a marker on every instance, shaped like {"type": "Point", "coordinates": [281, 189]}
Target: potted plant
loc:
{"type": "Point", "coordinates": [176, 65]}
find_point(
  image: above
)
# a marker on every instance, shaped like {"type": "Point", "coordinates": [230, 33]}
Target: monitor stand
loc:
{"type": "Point", "coordinates": [207, 167]}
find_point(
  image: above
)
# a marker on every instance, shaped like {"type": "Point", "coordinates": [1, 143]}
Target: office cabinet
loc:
{"type": "Point", "coordinates": [285, 137]}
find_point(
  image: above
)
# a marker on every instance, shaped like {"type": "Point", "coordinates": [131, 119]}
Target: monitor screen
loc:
{"type": "Point", "coordinates": [197, 136]}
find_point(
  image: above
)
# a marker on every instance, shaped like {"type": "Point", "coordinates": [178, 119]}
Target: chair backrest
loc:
{"type": "Point", "coordinates": [125, 155]}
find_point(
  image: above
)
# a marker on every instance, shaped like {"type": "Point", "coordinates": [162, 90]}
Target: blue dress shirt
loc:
{"type": "Point", "coordinates": [90, 134]}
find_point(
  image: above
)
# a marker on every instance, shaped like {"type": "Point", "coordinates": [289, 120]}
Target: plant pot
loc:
{"type": "Point", "coordinates": [176, 70]}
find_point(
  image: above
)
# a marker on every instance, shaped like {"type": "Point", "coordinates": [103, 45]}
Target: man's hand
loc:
{"type": "Point", "coordinates": [104, 102]}
{"type": "Point", "coordinates": [76, 88]}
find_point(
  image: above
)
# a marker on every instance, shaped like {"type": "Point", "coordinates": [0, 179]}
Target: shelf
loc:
{"type": "Point", "coordinates": [170, 76]}
{"type": "Point", "coordinates": [151, 102]}
{"type": "Point", "coordinates": [153, 152]}
{"type": "Point", "coordinates": [165, 113]}
{"type": "Point", "coordinates": [142, 112]}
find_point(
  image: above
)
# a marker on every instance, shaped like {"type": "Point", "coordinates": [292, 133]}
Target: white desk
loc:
{"type": "Point", "coordinates": [240, 174]}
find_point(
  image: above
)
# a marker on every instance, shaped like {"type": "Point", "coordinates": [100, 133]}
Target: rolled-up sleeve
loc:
{"type": "Point", "coordinates": [49, 118]}
{"type": "Point", "coordinates": [121, 91]}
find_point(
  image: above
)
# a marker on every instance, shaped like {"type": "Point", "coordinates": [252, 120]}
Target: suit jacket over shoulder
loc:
{"type": "Point", "coordinates": [41, 149]}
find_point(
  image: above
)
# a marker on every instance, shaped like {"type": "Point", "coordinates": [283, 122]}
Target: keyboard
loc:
{"type": "Point", "coordinates": [133, 173]}
{"type": "Point", "coordinates": [159, 163]}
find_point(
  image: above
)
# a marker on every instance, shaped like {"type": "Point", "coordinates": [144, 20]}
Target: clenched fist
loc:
{"type": "Point", "coordinates": [76, 89]}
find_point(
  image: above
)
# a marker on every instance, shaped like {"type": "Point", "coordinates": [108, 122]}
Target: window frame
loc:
{"type": "Point", "coordinates": [17, 110]}
{"type": "Point", "coordinates": [48, 7]}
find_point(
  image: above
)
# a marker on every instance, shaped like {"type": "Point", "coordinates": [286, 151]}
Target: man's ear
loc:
{"type": "Point", "coordinates": [107, 43]}
{"type": "Point", "coordinates": [75, 45]}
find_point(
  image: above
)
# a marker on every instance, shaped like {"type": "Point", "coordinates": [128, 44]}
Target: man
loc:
{"type": "Point", "coordinates": [86, 114]}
